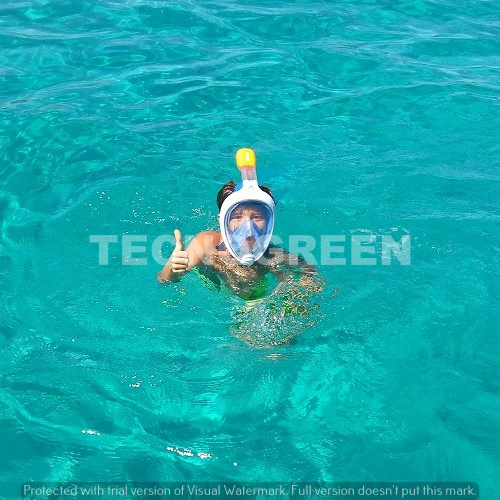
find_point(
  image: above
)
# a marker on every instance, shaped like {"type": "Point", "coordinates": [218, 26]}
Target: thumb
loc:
{"type": "Point", "coordinates": [179, 245]}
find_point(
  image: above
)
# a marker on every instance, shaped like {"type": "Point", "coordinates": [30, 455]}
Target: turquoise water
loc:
{"type": "Point", "coordinates": [368, 117]}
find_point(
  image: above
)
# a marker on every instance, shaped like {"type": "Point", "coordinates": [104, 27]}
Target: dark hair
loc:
{"type": "Point", "coordinates": [228, 188]}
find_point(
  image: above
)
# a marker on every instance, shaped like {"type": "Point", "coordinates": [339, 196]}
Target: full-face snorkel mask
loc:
{"type": "Point", "coordinates": [246, 217]}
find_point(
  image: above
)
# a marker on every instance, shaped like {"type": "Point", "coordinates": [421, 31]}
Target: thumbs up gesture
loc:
{"type": "Point", "coordinates": [179, 259]}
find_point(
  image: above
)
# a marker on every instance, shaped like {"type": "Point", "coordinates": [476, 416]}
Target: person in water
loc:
{"type": "Point", "coordinates": [240, 254]}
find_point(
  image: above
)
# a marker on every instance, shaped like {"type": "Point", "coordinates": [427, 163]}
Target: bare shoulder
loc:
{"type": "Point", "coordinates": [209, 237]}
{"type": "Point", "coordinates": [206, 240]}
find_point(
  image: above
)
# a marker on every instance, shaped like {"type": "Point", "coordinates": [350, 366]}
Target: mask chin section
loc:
{"type": "Point", "coordinates": [247, 260]}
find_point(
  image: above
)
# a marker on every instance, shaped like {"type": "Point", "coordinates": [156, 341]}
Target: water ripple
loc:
{"type": "Point", "coordinates": [368, 118]}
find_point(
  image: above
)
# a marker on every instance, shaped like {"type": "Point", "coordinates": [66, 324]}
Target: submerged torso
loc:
{"type": "Point", "coordinates": [248, 282]}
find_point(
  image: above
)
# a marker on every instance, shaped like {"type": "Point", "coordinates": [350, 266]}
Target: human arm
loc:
{"type": "Point", "coordinates": [299, 283]}
{"type": "Point", "coordinates": [181, 261]}
{"type": "Point", "coordinates": [289, 266]}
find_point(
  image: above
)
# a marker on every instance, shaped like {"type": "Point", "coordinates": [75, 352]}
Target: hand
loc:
{"type": "Point", "coordinates": [179, 259]}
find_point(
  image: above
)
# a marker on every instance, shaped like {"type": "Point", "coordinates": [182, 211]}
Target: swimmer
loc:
{"type": "Point", "coordinates": [240, 254]}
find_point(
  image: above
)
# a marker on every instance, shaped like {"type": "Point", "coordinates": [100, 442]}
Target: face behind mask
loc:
{"type": "Point", "coordinates": [248, 230]}
{"type": "Point", "coordinates": [249, 239]}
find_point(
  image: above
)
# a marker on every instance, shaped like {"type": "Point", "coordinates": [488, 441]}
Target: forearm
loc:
{"type": "Point", "coordinates": [167, 274]}
{"type": "Point", "coordinates": [298, 265]}
{"type": "Point", "coordinates": [305, 274]}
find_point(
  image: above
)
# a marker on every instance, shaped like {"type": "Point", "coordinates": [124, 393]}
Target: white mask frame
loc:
{"type": "Point", "coordinates": [249, 193]}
